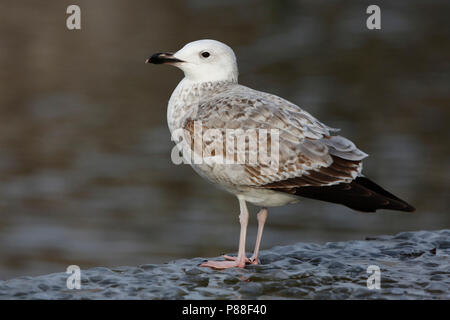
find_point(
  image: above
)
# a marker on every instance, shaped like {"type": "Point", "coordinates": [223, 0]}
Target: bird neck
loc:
{"type": "Point", "coordinates": [198, 74]}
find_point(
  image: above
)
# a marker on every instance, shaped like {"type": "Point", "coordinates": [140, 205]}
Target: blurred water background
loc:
{"type": "Point", "coordinates": [85, 170]}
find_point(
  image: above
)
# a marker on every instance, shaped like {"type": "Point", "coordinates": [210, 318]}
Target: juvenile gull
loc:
{"type": "Point", "coordinates": [312, 162]}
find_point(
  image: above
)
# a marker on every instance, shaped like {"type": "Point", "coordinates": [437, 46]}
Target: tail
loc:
{"type": "Point", "coordinates": [361, 194]}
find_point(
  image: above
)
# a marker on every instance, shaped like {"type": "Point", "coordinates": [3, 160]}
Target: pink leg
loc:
{"type": "Point", "coordinates": [241, 259]}
{"type": "Point", "coordinates": [262, 216]}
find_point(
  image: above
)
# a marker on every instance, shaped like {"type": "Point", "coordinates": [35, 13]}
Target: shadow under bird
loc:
{"type": "Point", "coordinates": [311, 161]}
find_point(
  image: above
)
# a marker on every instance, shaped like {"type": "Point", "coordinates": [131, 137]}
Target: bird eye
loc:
{"type": "Point", "coordinates": [205, 54]}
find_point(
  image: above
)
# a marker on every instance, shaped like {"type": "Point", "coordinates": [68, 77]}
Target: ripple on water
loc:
{"type": "Point", "coordinates": [410, 269]}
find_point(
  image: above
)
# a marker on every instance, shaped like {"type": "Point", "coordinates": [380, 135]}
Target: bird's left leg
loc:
{"type": "Point", "coordinates": [241, 259]}
{"type": "Point", "coordinates": [262, 217]}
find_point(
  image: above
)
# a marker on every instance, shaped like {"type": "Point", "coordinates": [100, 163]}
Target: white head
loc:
{"type": "Point", "coordinates": [202, 61]}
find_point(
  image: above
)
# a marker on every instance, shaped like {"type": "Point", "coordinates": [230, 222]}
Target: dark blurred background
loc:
{"type": "Point", "coordinates": [85, 170]}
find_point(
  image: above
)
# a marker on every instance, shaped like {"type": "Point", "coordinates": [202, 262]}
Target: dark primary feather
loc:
{"type": "Point", "coordinates": [361, 194]}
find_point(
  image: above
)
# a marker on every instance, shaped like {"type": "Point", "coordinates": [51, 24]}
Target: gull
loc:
{"type": "Point", "coordinates": [312, 161]}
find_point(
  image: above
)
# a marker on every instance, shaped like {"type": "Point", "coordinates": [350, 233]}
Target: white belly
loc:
{"type": "Point", "coordinates": [267, 198]}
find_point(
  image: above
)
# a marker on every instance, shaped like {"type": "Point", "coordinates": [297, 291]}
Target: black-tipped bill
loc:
{"type": "Point", "coordinates": [160, 58]}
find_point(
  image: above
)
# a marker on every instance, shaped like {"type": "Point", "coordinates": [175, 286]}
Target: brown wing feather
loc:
{"type": "Point", "coordinates": [308, 154]}
{"type": "Point", "coordinates": [339, 170]}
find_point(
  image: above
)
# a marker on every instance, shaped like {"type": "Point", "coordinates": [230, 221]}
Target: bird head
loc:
{"type": "Point", "coordinates": [202, 61]}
